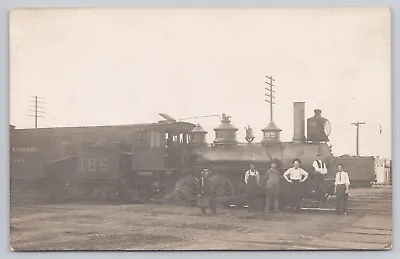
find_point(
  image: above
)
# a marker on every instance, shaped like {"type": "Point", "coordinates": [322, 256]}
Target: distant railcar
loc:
{"type": "Point", "coordinates": [361, 169]}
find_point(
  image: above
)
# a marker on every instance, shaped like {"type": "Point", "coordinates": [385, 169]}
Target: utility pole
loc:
{"type": "Point", "coordinates": [37, 113]}
{"type": "Point", "coordinates": [357, 124]}
{"type": "Point", "coordinates": [269, 94]}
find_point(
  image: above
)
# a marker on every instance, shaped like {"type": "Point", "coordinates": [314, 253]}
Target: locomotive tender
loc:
{"type": "Point", "coordinates": [163, 160]}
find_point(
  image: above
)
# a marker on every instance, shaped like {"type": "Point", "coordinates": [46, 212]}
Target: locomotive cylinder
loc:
{"type": "Point", "coordinates": [299, 122]}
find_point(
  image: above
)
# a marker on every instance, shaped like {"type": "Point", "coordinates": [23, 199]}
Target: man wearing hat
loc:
{"type": "Point", "coordinates": [296, 176]}
{"type": "Point", "coordinates": [207, 195]}
{"type": "Point", "coordinates": [320, 173]}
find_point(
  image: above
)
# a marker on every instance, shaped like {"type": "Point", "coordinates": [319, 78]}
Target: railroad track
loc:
{"type": "Point", "coordinates": [376, 203]}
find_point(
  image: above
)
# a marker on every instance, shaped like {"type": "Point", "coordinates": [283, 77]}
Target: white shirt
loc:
{"type": "Point", "coordinates": [252, 173]}
{"type": "Point", "coordinates": [295, 173]}
{"type": "Point", "coordinates": [323, 169]}
{"type": "Point", "coordinates": [342, 178]}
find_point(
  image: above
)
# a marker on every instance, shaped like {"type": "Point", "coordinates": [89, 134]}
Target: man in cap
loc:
{"type": "Point", "coordinates": [272, 178]}
{"type": "Point", "coordinates": [207, 195]}
{"type": "Point", "coordinates": [296, 176]}
{"type": "Point", "coordinates": [252, 180]}
{"type": "Point", "coordinates": [319, 176]}
{"type": "Point", "coordinates": [342, 184]}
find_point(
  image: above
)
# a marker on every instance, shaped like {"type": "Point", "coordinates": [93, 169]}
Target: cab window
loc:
{"type": "Point", "coordinates": [141, 138]}
{"type": "Point", "coordinates": [155, 139]}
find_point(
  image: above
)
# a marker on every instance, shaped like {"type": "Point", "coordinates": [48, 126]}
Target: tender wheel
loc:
{"type": "Point", "coordinates": [57, 191]}
{"type": "Point", "coordinates": [186, 190]}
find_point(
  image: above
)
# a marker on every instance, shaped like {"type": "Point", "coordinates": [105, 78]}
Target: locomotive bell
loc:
{"type": "Point", "coordinates": [249, 134]}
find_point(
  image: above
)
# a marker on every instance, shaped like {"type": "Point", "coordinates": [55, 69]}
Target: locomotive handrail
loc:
{"type": "Point", "coordinates": [61, 159]}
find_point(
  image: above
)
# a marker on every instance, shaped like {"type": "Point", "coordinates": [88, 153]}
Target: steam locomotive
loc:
{"type": "Point", "coordinates": [162, 160]}
{"type": "Point", "coordinates": [228, 159]}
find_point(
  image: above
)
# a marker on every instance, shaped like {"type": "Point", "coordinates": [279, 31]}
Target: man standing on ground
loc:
{"type": "Point", "coordinates": [296, 176]}
{"type": "Point", "coordinates": [319, 176]}
{"type": "Point", "coordinates": [252, 180]}
{"type": "Point", "coordinates": [207, 195]}
{"type": "Point", "coordinates": [272, 188]}
{"type": "Point", "coordinates": [342, 184]}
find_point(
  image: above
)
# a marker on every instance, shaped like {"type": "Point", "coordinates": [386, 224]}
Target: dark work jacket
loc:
{"type": "Point", "coordinates": [272, 178]}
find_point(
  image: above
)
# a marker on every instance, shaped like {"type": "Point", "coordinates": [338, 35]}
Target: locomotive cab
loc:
{"type": "Point", "coordinates": [158, 151]}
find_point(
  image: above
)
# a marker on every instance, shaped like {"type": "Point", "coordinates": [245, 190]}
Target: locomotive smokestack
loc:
{"type": "Point", "coordinates": [299, 122]}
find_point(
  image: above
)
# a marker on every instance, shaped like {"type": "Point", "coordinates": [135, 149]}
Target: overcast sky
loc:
{"type": "Point", "coordinates": [123, 66]}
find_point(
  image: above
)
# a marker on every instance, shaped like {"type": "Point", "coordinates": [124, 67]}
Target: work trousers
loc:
{"type": "Point", "coordinates": [208, 201]}
{"type": "Point", "coordinates": [319, 179]}
{"type": "Point", "coordinates": [272, 196]}
{"type": "Point", "coordinates": [341, 198]}
{"type": "Point", "coordinates": [251, 190]}
{"type": "Point", "coordinates": [252, 197]}
{"type": "Point", "coordinates": [296, 194]}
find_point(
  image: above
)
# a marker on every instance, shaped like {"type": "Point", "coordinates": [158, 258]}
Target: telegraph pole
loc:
{"type": "Point", "coordinates": [269, 94]}
{"type": "Point", "coordinates": [37, 112]}
{"type": "Point", "coordinates": [357, 124]}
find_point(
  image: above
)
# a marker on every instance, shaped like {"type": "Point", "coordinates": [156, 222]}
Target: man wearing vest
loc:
{"type": "Point", "coordinates": [207, 195]}
{"type": "Point", "coordinates": [272, 178]}
{"type": "Point", "coordinates": [342, 183]}
{"type": "Point", "coordinates": [319, 176]}
{"type": "Point", "coordinates": [296, 176]}
{"type": "Point", "coordinates": [252, 180]}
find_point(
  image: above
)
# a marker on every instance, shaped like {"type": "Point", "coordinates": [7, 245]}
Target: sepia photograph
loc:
{"type": "Point", "coordinates": [200, 129]}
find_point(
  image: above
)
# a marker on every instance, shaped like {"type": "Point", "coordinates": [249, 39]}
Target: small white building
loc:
{"type": "Point", "coordinates": [383, 172]}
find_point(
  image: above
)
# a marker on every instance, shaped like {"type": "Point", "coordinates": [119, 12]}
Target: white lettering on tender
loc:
{"type": "Point", "coordinates": [25, 149]}
{"type": "Point", "coordinates": [93, 165]}
{"type": "Point", "coordinates": [19, 161]}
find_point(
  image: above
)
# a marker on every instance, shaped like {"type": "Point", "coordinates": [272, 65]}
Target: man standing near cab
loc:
{"type": "Point", "coordinates": [252, 180]}
{"type": "Point", "coordinates": [319, 176]}
{"type": "Point", "coordinates": [342, 184]}
{"type": "Point", "coordinates": [272, 188]}
{"type": "Point", "coordinates": [296, 176]}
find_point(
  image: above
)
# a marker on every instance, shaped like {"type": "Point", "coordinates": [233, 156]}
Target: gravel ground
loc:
{"type": "Point", "coordinates": [40, 226]}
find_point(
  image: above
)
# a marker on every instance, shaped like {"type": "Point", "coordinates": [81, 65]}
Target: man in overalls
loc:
{"type": "Point", "coordinates": [272, 178]}
{"type": "Point", "coordinates": [296, 176]}
{"type": "Point", "coordinates": [252, 180]}
{"type": "Point", "coordinates": [207, 196]}
{"type": "Point", "coordinates": [342, 183]}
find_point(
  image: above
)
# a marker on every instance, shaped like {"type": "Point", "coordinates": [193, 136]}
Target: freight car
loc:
{"type": "Point", "coordinates": [361, 169]}
{"type": "Point", "coordinates": [160, 167]}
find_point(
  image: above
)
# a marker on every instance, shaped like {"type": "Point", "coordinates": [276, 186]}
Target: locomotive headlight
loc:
{"type": "Point", "coordinates": [327, 128]}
